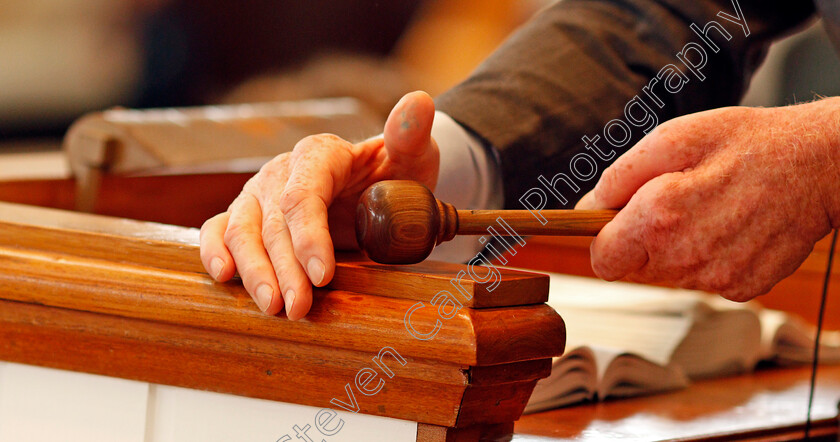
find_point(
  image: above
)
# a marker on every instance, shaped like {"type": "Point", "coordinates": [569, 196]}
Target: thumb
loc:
{"type": "Point", "coordinates": [408, 138]}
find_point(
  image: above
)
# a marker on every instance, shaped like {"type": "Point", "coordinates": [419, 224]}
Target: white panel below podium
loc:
{"type": "Point", "coordinates": [46, 405]}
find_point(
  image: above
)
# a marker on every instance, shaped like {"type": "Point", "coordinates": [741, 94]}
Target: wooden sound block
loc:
{"type": "Point", "coordinates": [131, 300]}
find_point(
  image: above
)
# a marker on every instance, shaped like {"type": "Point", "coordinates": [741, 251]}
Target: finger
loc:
{"type": "Point", "coordinates": [243, 239]}
{"type": "Point", "coordinates": [214, 255]}
{"type": "Point", "coordinates": [408, 138]}
{"type": "Point", "coordinates": [320, 171]}
{"type": "Point", "coordinates": [291, 277]}
{"type": "Point", "coordinates": [618, 251]}
{"type": "Point", "coordinates": [662, 151]}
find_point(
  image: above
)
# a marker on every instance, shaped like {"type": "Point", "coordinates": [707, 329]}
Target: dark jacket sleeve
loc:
{"type": "Point", "coordinates": [576, 65]}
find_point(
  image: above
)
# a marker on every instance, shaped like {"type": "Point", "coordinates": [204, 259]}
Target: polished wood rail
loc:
{"type": "Point", "coordinates": [130, 299]}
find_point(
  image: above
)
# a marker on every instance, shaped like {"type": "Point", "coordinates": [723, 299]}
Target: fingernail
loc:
{"type": "Point", "coordinates": [263, 296]}
{"type": "Point", "coordinates": [289, 298]}
{"type": "Point", "coordinates": [216, 267]}
{"type": "Point", "coordinates": [316, 270]}
{"type": "Point", "coordinates": [587, 202]}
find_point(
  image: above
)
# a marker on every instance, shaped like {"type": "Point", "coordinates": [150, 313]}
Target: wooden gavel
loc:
{"type": "Point", "coordinates": [400, 222]}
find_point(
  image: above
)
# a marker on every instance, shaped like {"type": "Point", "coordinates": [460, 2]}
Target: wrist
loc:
{"type": "Point", "coordinates": [822, 127]}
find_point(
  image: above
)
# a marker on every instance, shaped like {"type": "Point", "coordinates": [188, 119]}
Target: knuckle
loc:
{"type": "Point", "coordinates": [247, 194]}
{"type": "Point", "coordinates": [238, 233]}
{"type": "Point", "coordinates": [292, 200]}
{"type": "Point", "coordinates": [668, 136]}
{"type": "Point", "coordinates": [272, 245]}
{"type": "Point", "coordinates": [324, 138]}
{"type": "Point", "coordinates": [254, 183]}
{"type": "Point", "coordinates": [205, 228]}
{"type": "Point", "coordinates": [300, 204]}
{"type": "Point", "coordinates": [305, 242]}
{"type": "Point", "coordinates": [277, 163]}
{"type": "Point", "coordinates": [602, 269]}
{"type": "Point", "coordinates": [602, 261]}
{"type": "Point", "coordinates": [607, 181]}
{"type": "Point", "coordinates": [273, 224]}
{"type": "Point", "coordinates": [213, 221]}
{"type": "Point", "coordinates": [271, 175]}
{"type": "Point", "coordinates": [273, 229]}
{"type": "Point", "coordinates": [661, 222]}
{"type": "Point", "coordinates": [314, 142]}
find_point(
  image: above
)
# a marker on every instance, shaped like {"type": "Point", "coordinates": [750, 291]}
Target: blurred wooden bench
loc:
{"type": "Point", "coordinates": [180, 166]}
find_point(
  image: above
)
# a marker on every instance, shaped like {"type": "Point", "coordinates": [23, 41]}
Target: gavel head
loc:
{"type": "Point", "coordinates": [400, 222]}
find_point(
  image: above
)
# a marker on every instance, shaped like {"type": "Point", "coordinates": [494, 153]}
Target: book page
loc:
{"type": "Point", "coordinates": [626, 374]}
{"type": "Point", "coordinates": [573, 379]}
{"type": "Point", "coordinates": [789, 338]}
{"type": "Point", "coordinates": [654, 337]}
{"type": "Point", "coordinates": [723, 342]}
{"type": "Point", "coordinates": [591, 293]}
{"type": "Point", "coordinates": [603, 357]}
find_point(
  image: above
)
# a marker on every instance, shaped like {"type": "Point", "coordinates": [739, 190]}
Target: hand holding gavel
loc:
{"type": "Point", "coordinates": [400, 222]}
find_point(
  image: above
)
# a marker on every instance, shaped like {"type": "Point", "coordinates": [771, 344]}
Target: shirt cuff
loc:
{"type": "Point", "coordinates": [470, 178]}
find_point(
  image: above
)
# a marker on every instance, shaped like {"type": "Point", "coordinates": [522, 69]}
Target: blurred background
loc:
{"type": "Point", "coordinates": [62, 58]}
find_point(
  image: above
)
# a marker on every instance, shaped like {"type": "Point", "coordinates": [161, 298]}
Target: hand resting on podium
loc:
{"type": "Point", "coordinates": [281, 231]}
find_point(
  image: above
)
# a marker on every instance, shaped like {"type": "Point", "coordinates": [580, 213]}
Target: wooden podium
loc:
{"type": "Point", "coordinates": [131, 300]}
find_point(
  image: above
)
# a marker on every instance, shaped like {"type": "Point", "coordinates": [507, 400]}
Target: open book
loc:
{"type": "Point", "coordinates": [628, 339]}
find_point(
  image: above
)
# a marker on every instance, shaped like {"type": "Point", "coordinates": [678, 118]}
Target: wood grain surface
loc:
{"type": "Point", "coordinates": [130, 299]}
{"type": "Point", "coordinates": [557, 222]}
{"type": "Point", "coordinates": [770, 404]}
{"type": "Point", "coordinates": [176, 248]}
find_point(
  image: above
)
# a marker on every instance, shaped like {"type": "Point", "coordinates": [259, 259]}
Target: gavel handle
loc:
{"type": "Point", "coordinates": [558, 222]}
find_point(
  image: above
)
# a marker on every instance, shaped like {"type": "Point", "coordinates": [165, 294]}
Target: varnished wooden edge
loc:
{"type": "Point", "coordinates": [176, 248]}
{"type": "Point", "coordinates": [338, 318]}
